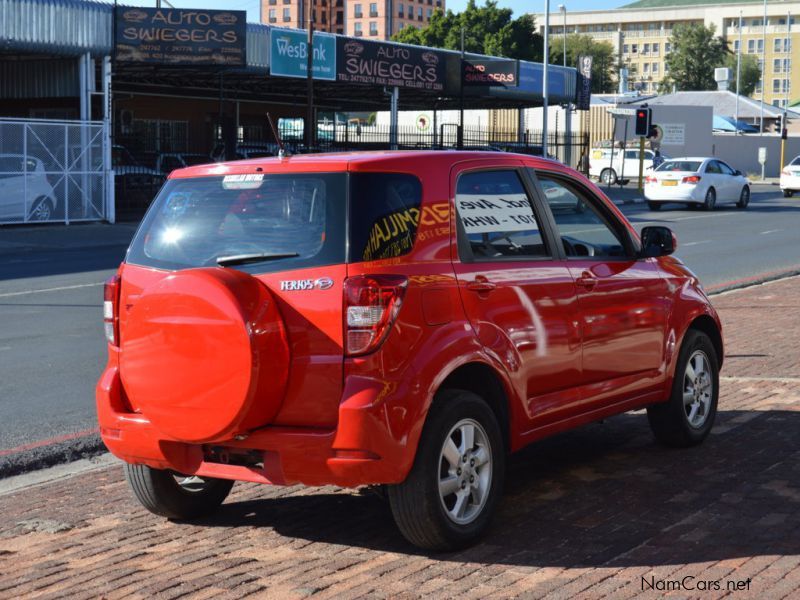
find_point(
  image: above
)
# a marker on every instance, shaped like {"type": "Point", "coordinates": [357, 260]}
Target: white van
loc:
{"type": "Point", "coordinates": [626, 164]}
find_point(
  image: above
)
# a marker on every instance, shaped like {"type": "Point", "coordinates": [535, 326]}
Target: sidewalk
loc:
{"type": "Point", "coordinates": [601, 512]}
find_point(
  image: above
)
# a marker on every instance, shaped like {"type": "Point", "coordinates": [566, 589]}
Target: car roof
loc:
{"type": "Point", "coordinates": [693, 158]}
{"type": "Point", "coordinates": [400, 160]}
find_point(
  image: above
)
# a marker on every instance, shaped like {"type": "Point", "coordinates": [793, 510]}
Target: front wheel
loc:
{"type": "Point", "coordinates": [744, 198]}
{"type": "Point", "coordinates": [42, 210]}
{"type": "Point", "coordinates": [176, 496]}
{"type": "Point", "coordinates": [788, 193]}
{"type": "Point", "coordinates": [448, 498]}
{"type": "Point", "coordinates": [687, 417]}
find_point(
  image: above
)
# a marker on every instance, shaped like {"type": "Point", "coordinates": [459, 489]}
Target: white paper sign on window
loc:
{"type": "Point", "coordinates": [482, 214]}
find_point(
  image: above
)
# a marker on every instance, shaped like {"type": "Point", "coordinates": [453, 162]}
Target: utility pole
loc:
{"type": "Point", "coordinates": [460, 136]}
{"type": "Point", "coordinates": [310, 77]}
{"type": "Point", "coordinates": [563, 9]}
{"type": "Point", "coordinates": [763, 68]}
{"type": "Point", "coordinates": [738, 73]}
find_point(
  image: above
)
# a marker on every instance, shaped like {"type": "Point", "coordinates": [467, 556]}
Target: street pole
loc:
{"type": "Point", "coordinates": [460, 136]}
{"type": "Point", "coordinates": [738, 73]}
{"type": "Point", "coordinates": [545, 60]}
{"type": "Point", "coordinates": [563, 10]}
{"type": "Point", "coordinates": [763, 67]}
{"type": "Point", "coordinates": [787, 71]}
{"type": "Point", "coordinates": [310, 77]}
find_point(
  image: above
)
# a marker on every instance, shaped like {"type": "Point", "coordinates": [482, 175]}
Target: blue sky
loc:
{"type": "Point", "coordinates": [518, 6]}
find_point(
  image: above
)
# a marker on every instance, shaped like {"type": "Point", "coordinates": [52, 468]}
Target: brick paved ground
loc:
{"type": "Point", "coordinates": [589, 514]}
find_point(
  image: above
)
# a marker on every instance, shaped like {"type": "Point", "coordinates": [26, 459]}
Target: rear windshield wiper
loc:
{"type": "Point", "coordinates": [243, 259]}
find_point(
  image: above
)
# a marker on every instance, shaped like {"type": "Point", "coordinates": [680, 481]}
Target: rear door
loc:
{"type": "Point", "coordinates": [518, 295]}
{"type": "Point", "coordinates": [730, 182]}
{"type": "Point", "coordinates": [622, 299]}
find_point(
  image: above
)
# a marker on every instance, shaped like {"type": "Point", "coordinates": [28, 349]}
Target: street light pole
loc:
{"type": "Point", "coordinates": [563, 10]}
{"type": "Point", "coordinates": [310, 77]}
{"type": "Point", "coordinates": [545, 60]}
{"type": "Point", "coordinates": [738, 72]}
{"type": "Point", "coordinates": [763, 68]}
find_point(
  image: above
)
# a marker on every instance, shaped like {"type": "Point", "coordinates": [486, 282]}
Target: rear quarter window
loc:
{"type": "Point", "coordinates": [384, 215]}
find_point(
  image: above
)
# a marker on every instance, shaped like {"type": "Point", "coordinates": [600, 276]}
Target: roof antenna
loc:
{"type": "Point", "coordinates": [277, 136]}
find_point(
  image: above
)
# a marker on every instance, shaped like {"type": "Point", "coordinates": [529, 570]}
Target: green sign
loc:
{"type": "Point", "coordinates": [288, 54]}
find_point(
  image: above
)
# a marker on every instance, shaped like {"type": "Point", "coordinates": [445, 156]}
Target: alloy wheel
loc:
{"type": "Point", "coordinates": [697, 389]}
{"type": "Point", "coordinates": [465, 471]}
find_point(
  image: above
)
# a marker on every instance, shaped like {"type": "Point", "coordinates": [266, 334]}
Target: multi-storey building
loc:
{"type": "Point", "coordinates": [641, 35]}
{"type": "Point", "coordinates": [359, 18]}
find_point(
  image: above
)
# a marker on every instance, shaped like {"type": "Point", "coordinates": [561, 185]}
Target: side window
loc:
{"type": "Point", "coordinates": [631, 154]}
{"type": "Point", "coordinates": [726, 170]}
{"type": "Point", "coordinates": [712, 167]}
{"type": "Point", "coordinates": [384, 215]}
{"type": "Point", "coordinates": [584, 232]}
{"type": "Point", "coordinates": [497, 218]}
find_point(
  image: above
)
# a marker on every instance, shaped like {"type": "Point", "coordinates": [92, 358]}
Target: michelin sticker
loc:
{"type": "Point", "coordinates": [510, 212]}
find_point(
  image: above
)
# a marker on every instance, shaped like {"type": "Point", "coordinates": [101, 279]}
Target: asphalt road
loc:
{"type": "Point", "coordinates": [51, 336]}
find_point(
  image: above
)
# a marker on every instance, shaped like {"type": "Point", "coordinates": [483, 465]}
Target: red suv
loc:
{"type": "Point", "coordinates": [404, 319]}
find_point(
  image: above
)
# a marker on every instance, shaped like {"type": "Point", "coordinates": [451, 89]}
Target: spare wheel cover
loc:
{"type": "Point", "coordinates": [204, 354]}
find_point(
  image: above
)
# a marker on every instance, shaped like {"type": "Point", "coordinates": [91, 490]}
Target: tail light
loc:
{"type": "Point", "coordinates": [691, 179]}
{"type": "Point", "coordinates": [650, 179]}
{"type": "Point", "coordinates": [111, 310]}
{"type": "Point", "coordinates": [371, 304]}
{"type": "Point", "coordinates": [786, 172]}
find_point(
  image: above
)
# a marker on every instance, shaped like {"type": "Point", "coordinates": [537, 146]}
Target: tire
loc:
{"type": "Point", "coordinates": [687, 417]}
{"type": "Point", "coordinates": [744, 198]}
{"type": "Point", "coordinates": [162, 494]}
{"type": "Point", "coordinates": [788, 193]}
{"type": "Point", "coordinates": [429, 518]}
{"type": "Point", "coordinates": [42, 210]}
{"type": "Point", "coordinates": [608, 176]}
{"type": "Point", "coordinates": [711, 199]}
{"type": "Point", "coordinates": [654, 205]}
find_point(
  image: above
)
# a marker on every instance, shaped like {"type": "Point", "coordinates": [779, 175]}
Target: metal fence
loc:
{"type": "Point", "coordinates": [53, 171]}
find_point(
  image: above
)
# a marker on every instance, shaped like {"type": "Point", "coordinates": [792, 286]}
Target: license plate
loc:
{"type": "Point", "coordinates": [669, 182]}
{"type": "Point", "coordinates": [796, 173]}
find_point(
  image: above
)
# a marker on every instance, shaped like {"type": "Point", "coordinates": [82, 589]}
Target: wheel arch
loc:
{"type": "Point", "coordinates": [707, 325]}
{"type": "Point", "coordinates": [483, 380]}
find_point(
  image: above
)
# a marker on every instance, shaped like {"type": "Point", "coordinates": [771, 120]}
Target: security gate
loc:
{"type": "Point", "coordinates": [54, 171]}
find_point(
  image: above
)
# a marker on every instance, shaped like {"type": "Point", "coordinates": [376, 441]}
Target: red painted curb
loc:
{"type": "Point", "coordinates": [49, 442]}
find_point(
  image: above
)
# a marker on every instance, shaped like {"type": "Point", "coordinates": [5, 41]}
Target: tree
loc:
{"type": "Point", "coordinates": [749, 74]}
{"type": "Point", "coordinates": [696, 52]}
{"type": "Point", "coordinates": [603, 63]}
{"type": "Point", "coordinates": [487, 30]}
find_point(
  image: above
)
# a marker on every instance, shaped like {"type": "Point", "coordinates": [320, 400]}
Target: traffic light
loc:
{"type": "Point", "coordinates": [643, 121]}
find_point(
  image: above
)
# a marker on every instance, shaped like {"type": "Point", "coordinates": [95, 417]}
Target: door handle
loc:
{"type": "Point", "coordinates": [586, 280]}
{"type": "Point", "coordinates": [481, 285]}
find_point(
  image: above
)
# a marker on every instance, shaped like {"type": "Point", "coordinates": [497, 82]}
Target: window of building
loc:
{"type": "Point", "coordinates": [656, 48]}
{"type": "Point", "coordinates": [634, 48]}
{"type": "Point", "coordinates": [400, 11]}
{"type": "Point", "coordinates": [357, 11]}
{"type": "Point", "coordinates": [357, 28]}
{"type": "Point", "coordinates": [625, 48]}
{"type": "Point", "coordinates": [429, 12]}
{"type": "Point", "coordinates": [273, 15]}
{"type": "Point", "coordinates": [778, 45]}
{"type": "Point", "coordinates": [787, 65]}
{"type": "Point", "coordinates": [373, 9]}
{"type": "Point", "coordinates": [758, 88]}
{"type": "Point", "coordinates": [760, 64]}
{"type": "Point", "coordinates": [787, 86]}
{"type": "Point", "coordinates": [655, 68]}
{"type": "Point", "coordinates": [419, 13]}
{"type": "Point", "coordinates": [646, 68]}
{"type": "Point", "coordinates": [646, 49]}
{"type": "Point", "coordinates": [776, 65]}
{"type": "Point", "coordinates": [736, 46]}
{"type": "Point", "coordinates": [273, 2]}
{"type": "Point", "coordinates": [776, 86]}
{"type": "Point", "coordinates": [373, 28]}
{"type": "Point", "coordinates": [760, 46]}
{"type": "Point", "coordinates": [667, 47]}
{"type": "Point", "coordinates": [287, 15]}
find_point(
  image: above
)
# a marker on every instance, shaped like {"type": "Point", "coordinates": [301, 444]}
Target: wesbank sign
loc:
{"type": "Point", "coordinates": [288, 54]}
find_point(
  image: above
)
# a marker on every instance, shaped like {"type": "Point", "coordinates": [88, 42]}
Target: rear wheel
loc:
{"type": "Point", "coordinates": [711, 199]}
{"type": "Point", "coordinates": [448, 498]}
{"type": "Point", "coordinates": [176, 496]}
{"type": "Point", "coordinates": [788, 193]}
{"type": "Point", "coordinates": [687, 417]}
{"type": "Point", "coordinates": [608, 176]}
{"type": "Point", "coordinates": [744, 198]}
{"type": "Point", "coordinates": [654, 205]}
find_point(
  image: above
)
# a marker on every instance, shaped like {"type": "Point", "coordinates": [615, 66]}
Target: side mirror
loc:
{"type": "Point", "coordinates": [658, 241]}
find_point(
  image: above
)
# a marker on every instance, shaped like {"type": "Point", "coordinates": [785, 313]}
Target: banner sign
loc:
{"type": "Point", "coordinates": [288, 54]}
{"type": "Point", "coordinates": [181, 37]}
{"type": "Point", "coordinates": [532, 74]}
{"type": "Point", "coordinates": [482, 72]}
{"type": "Point", "coordinates": [512, 212]}
{"type": "Point", "coordinates": [392, 65]}
{"type": "Point", "coordinates": [583, 92]}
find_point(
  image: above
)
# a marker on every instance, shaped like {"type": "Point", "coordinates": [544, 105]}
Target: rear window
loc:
{"type": "Point", "coordinates": [679, 165]}
{"type": "Point", "coordinates": [193, 222]}
{"type": "Point", "coordinates": [385, 210]}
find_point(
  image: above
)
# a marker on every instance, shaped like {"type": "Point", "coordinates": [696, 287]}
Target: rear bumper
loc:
{"type": "Point", "coordinates": [678, 193]}
{"type": "Point", "coordinates": [790, 182]}
{"type": "Point", "coordinates": [364, 448]}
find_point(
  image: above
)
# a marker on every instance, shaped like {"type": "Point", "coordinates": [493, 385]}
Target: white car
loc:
{"type": "Point", "coordinates": [625, 164]}
{"type": "Point", "coordinates": [25, 192]}
{"type": "Point", "coordinates": [790, 178]}
{"type": "Point", "coordinates": [696, 182]}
